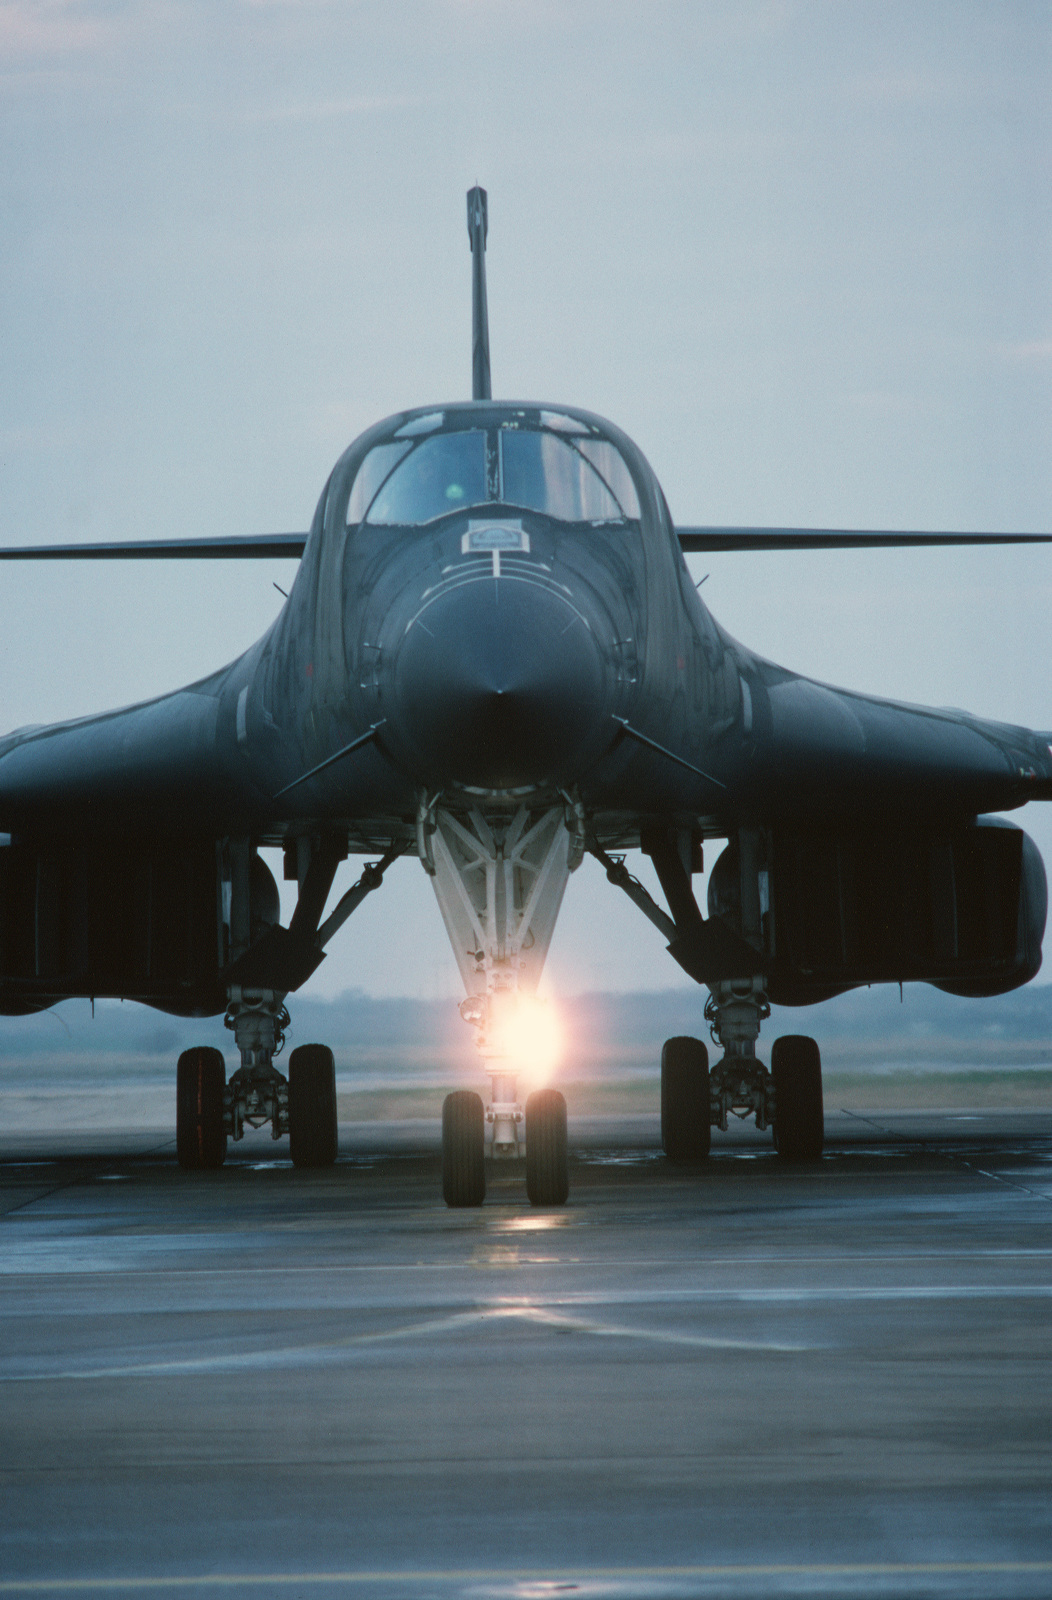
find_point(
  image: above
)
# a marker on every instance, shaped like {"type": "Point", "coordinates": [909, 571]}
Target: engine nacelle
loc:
{"type": "Point", "coordinates": [962, 908]}
{"type": "Point", "coordinates": [129, 920]}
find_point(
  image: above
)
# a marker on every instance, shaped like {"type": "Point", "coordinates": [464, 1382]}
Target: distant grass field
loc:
{"type": "Point", "coordinates": [34, 1108]}
{"type": "Point", "coordinates": [850, 1091]}
{"type": "Point", "coordinates": [395, 1060]}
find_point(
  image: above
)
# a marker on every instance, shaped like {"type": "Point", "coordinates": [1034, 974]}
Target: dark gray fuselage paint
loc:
{"type": "Point", "coordinates": [509, 681]}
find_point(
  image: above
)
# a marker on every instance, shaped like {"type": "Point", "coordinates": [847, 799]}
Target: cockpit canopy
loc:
{"type": "Point", "coordinates": [443, 461]}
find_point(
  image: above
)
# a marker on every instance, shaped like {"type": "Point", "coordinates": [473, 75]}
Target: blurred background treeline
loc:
{"type": "Point", "coordinates": [397, 1057]}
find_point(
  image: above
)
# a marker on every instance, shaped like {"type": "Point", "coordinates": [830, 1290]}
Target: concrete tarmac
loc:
{"type": "Point", "coordinates": [741, 1380]}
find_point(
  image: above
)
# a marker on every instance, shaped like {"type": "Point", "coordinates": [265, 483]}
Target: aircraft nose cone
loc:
{"type": "Point", "coordinates": [499, 685]}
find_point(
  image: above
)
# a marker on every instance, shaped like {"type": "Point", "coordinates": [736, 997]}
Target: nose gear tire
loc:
{"type": "Point", "coordinates": [547, 1154]}
{"type": "Point", "coordinates": [200, 1132]}
{"type": "Point", "coordinates": [463, 1149]}
{"type": "Point", "coordinates": [799, 1123]}
{"type": "Point", "coordinates": [686, 1122]}
{"type": "Point", "coordinates": [313, 1133]}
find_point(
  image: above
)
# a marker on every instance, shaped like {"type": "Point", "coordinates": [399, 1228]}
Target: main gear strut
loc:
{"type": "Point", "coordinates": [257, 1093]}
{"type": "Point", "coordinates": [739, 1084]}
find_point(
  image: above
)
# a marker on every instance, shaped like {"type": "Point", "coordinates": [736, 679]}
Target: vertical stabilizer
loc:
{"type": "Point", "coordinates": [478, 225]}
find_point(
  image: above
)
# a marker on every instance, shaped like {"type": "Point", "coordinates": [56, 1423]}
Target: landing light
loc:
{"type": "Point", "coordinates": [527, 1033]}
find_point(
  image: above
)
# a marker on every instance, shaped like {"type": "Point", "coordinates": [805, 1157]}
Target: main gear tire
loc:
{"type": "Point", "coordinates": [547, 1149]}
{"type": "Point", "coordinates": [463, 1149]}
{"type": "Point", "coordinates": [686, 1119]}
{"type": "Point", "coordinates": [313, 1130]}
{"type": "Point", "coordinates": [200, 1129]}
{"type": "Point", "coordinates": [799, 1120]}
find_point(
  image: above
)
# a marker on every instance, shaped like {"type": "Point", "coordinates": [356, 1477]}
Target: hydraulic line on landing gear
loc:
{"type": "Point", "coordinates": [621, 878]}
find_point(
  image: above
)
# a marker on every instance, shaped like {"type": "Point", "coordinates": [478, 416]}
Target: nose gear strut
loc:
{"type": "Point", "coordinates": [499, 880]}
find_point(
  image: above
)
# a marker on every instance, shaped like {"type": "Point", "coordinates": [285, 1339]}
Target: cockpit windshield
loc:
{"type": "Point", "coordinates": [556, 466]}
{"type": "Point", "coordinates": [444, 473]}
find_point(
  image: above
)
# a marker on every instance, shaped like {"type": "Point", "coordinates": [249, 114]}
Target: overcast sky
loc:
{"type": "Point", "coordinates": [800, 252]}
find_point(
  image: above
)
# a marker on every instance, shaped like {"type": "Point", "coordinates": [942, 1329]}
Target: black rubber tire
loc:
{"type": "Point", "coordinates": [463, 1149]}
{"type": "Point", "coordinates": [547, 1150]}
{"type": "Point", "coordinates": [313, 1132]}
{"type": "Point", "coordinates": [686, 1119]}
{"type": "Point", "coordinates": [200, 1137]}
{"type": "Point", "coordinates": [799, 1123]}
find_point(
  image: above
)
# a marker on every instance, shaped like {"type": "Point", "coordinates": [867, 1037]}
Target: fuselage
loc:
{"type": "Point", "coordinates": [498, 589]}
{"type": "Point", "coordinates": [494, 594]}
{"type": "Point", "coordinates": [493, 624]}
{"type": "Point", "coordinates": [489, 602]}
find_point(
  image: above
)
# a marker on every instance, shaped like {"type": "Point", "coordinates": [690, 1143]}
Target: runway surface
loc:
{"type": "Point", "coordinates": [744, 1380]}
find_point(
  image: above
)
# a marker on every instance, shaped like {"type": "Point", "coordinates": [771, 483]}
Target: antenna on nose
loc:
{"type": "Point", "coordinates": [478, 226]}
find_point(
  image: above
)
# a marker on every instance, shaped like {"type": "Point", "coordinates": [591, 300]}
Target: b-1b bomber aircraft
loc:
{"type": "Point", "coordinates": [493, 657]}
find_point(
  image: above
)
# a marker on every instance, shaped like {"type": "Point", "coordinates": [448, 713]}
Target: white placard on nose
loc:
{"type": "Point", "coordinates": [494, 536]}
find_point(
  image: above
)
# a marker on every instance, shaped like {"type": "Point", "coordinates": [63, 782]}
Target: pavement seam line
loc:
{"type": "Point", "coordinates": [928, 1145]}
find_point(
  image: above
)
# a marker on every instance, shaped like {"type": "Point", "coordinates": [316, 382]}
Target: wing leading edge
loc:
{"type": "Point", "coordinates": [238, 546]}
{"type": "Point", "coordinates": [713, 538]}
{"type": "Point", "coordinates": [692, 539]}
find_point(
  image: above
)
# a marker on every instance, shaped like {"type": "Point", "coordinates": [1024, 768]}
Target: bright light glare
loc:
{"type": "Point", "coordinates": [531, 1224]}
{"type": "Point", "coordinates": [526, 1031]}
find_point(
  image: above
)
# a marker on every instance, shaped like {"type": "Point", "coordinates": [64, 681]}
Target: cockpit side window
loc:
{"type": "Point", "coordinates": [377, 466]}
{"type": "Point", "coordinates": [610, 465]}
{"type": "Point", "coordinates": [444, 473]}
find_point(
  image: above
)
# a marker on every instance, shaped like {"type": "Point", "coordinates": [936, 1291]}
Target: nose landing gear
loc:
{"type": "Point", "coordinates": [463, 1149]}
{"type": "Point", "coordinates": [537, 1130]}
{"type": "Point", "coordinates": [547, 1156]}
{"type": "Point", "coordinates": [499, 880]}
{"type": "Point", "coordinates": [545, 1143]}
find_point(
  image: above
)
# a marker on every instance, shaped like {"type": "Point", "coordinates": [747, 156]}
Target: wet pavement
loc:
{"type": "Point", "coordinates": [740, 1380]}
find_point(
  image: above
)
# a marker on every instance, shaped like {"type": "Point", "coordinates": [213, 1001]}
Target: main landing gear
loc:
{"type": "Point", "coordinates": [686, 1123]}
{"type": "Point", "coordinates": [200, 1122]}
{"type": "Point", "coordinates": [264, 962]}
{"type": "Point", "coordinates": [547, 1164]}
{"type": "Point", "coordinates": [799, 1121]}
{"type": "Point", "coordinates": [694, 1100]}
{"type": "Point", "coordinates": [210, 1111]}
{"type": "Point", "coordinates": [788, 1098]}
